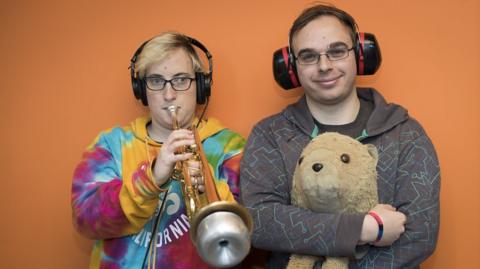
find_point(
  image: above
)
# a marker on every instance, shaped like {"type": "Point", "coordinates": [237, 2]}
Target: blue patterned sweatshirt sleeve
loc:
{"type": "Point", "coordinates": [417, 189]}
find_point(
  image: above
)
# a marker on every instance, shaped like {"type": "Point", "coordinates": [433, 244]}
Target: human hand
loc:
{"type": "Point", "coordinates": [196, 175]}
{"type": "Point", "coordinates": [393, 226]}
{"type": "Point", "coordinates": [168, 156]}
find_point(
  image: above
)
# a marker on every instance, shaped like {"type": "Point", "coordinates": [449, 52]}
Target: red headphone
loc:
{"type": "Point", "coordinates": [367, 51]}
{"type": "Point", "coordinates": [367, 56]}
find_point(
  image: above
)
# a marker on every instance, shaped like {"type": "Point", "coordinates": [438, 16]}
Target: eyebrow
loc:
{"type": "Point", "coordinates": [306, 50]}
{"type": "Point", "coordinates": [181, 74]}
{"type": "Point", "coordinates": [330, 46]}
{"type": "Point", "coordinates": [338, 44]}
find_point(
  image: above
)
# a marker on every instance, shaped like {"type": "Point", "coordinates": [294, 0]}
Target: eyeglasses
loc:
{"type": "Point", "coordinates": [311, 57]}
{"type": "Point", "coordinates": [156, 83]}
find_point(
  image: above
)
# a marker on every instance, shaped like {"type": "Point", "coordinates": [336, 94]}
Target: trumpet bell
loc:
{"type": "Point", "coordinates": [221, 232]}
{"type": "Point", "coordinates": [223, 239]}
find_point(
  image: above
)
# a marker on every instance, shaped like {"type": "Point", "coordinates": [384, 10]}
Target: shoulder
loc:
{"type": "Point", "coordinates": [411, 140]}
{"type": "Point", "coordinates": [271, 123]}
{"type": "Point", "coordinates": [214, 128]}
{"type": "Point", "coordinates": [411, 130]}
{"type": "Point", "coordinates": [293, 119]}
{"type": "Point", "coordinates": [229, 138]}
{"type": "Point", "coordinates": [111, 136]}
{"type": "Point", "coordinates": [214, 134]}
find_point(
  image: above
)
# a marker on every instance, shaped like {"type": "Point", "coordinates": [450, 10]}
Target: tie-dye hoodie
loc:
{"type": "Point", "coordinates": [115, 202]}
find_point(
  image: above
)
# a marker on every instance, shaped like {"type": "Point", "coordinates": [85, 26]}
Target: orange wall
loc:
{"type": "Point", "coordinates": [64, 78]}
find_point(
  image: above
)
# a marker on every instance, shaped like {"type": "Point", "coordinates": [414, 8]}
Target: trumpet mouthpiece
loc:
{"type": "Point", "coordinates": [172, 108]}
{"type": "Point", "coordinates": [173, 112]}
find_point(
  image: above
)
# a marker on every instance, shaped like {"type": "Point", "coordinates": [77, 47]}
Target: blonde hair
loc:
{"type": "Point", "coordinates": [160, 46]}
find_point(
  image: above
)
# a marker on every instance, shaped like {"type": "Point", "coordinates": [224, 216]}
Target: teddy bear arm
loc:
{"type": "Point", "coordinates": [335, 263]}
{"type": "Point", "coordinates": [301, 261]}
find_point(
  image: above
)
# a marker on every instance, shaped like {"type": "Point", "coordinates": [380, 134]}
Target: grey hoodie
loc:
{"type": "Point", "coordinates": [408, 179]}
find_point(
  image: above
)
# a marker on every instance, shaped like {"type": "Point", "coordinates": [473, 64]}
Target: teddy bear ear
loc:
{"type": "Point", "coordinates": [372, 150]}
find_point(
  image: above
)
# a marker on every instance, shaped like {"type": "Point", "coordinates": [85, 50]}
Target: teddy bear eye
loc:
{"type": "Point", "coordinates": [300, 160]}
{"type": "Point", "coordinates": [317, 167]}
{"type": "Point", "coordinates": [345, 158]}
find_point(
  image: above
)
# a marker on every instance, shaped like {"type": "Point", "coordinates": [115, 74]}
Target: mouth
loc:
{"type": "Point", "coordinates": [170, 107]}
{"type": "Point", "coordinates": [327, 82]}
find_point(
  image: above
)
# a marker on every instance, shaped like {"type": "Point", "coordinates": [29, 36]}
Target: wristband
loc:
{"type": "Point", "coordinates": [380, 225]}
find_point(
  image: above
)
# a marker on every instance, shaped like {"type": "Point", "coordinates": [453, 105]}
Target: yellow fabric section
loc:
{"type": "Point", "coordinates": [206, 129]}
{"type": "Point", "coordinates": [95, 258]}
{"type": "Point", "coordinates": [137, 208]}
{"type": "Point", "coordinates": [224, 191]}
{"type": "Point", "coordinates": [209, 128]}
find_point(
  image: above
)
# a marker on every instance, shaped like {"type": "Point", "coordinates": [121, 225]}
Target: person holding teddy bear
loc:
{"type": "Point", "coordinates": [326, 53]}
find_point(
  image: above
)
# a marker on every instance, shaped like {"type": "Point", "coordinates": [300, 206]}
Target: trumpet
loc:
{"type": "Point", "coordinates": [220, 230]}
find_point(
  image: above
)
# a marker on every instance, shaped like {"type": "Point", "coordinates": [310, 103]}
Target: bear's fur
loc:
{"type": "Point", "coordinates": [334, 174]}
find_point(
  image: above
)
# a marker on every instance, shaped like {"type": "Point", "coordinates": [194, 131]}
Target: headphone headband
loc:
{"type": "Point", "coordinates": [199, 45]}
{"type": "Point", "coordinates": [203, 80]}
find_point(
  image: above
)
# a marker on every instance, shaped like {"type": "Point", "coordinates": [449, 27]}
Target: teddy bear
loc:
{"type": "Point", "coordinates": [334, 174]}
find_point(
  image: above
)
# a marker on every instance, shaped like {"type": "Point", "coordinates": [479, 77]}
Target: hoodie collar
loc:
{"type": "Point", "coordinates": [207, 128]}
{"type": "Point", "coordinates": [384, 115]}
{"type": "Point", "coordinates": [300, 115]}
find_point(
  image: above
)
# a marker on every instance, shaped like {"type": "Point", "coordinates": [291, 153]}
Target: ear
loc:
{"type": "Point", "coordinates": [372, 150]}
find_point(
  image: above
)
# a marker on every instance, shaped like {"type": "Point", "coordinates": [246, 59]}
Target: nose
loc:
{"type": "Point", "coordinates": [324, 64]}
{"type": "Point", "coordinates": [169, 94]}
{"type": "Point", "coordinates": [317, 167]}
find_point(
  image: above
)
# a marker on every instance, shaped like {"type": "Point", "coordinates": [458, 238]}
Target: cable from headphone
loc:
{"type": "Point", "coordinates": [203, 80]}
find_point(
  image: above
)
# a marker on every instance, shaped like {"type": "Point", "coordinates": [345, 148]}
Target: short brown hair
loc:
{"type": "Point", "coordinates": [319, 10]}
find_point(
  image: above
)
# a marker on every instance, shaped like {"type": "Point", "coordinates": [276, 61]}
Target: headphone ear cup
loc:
{"type": "Point", "coordinates": [139, 90]}
{"type": "Point", "coordinates": [207, 90]}
{"type": "Point", "coordinates": [136, 88]}
{"type": "Point", "coordinates": [368, 55]}
{"type": "Point", "coordinates": [358, 53]}
{"type": "Point", "coordinates": [203, 82]}
{"type": "Point", "coordinates": [284, 69]}
{"type": "Point", "coordinates": [143, 92]}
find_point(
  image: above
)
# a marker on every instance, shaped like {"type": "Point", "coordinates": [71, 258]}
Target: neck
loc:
{"type": "Point", "coordinates": [158, 132]}
{"type": "Point", "coordinates": [335, 114]}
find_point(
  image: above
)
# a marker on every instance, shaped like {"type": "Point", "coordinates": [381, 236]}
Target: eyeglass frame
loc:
{"type": "Point", "coordinates": [326, 54]}
{"type": "Point", "coordinates": [168, 81]}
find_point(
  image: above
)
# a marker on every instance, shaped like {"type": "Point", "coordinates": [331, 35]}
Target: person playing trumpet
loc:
{"type": "Point", "coordinates": [122, 192]}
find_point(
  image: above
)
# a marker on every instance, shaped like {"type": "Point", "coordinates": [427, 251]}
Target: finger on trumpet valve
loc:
{"type": "Point", "coordinates": [194, 168]}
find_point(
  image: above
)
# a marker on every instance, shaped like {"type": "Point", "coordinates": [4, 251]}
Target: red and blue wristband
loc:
{"type": "Point", "coordinates": [380, 225]}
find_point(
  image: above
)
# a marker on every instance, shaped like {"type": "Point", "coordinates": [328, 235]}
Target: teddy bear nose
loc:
{"type": "Point", "coordinates": [317, 167]}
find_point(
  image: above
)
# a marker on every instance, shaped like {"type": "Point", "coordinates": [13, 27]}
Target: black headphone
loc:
{"type": "Point", "coordinates": [203, 80]}
{"type": "Point", "coordinates": [367, 56]}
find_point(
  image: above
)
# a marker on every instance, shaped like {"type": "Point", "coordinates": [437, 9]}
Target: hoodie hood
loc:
{"type": "Point", "coordinates": [207, 128]}
{"type": "Point", "coordinates": [384, 116]}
